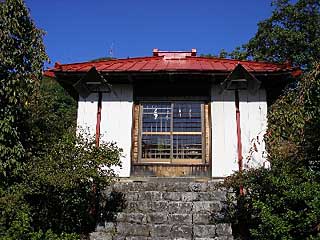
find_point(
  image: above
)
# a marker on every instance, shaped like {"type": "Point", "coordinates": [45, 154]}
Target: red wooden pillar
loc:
{"type": "Point", "coordinates": [98, 119]}
{"type": "Point", "coordinates": [239, 143]}
{"type": "Point", "coordinates": [93, 210]}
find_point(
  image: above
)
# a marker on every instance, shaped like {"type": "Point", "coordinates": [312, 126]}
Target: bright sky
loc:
{"type": "Point", "coordinates": [81, 30]}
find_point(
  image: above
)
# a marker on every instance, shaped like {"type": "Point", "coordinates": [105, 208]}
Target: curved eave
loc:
{"type": "Point", "coordinates": [55, 73]}
{"type": "Point", "coordinates": [269, 78]}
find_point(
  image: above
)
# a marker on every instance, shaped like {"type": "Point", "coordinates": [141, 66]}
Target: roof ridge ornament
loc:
{"type": "Point", "coordinates": [174, 54]}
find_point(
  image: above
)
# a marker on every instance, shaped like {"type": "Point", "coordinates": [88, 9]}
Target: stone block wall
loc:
{"type": "Point", "coordinates": [166, 209]}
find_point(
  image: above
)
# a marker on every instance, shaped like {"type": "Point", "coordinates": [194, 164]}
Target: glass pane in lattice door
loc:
{"type": "Point", "coordinates": [172, 132]}
{"type": "Point", "coordinates": [156, 117]}
{"type": "Point", "coordinates": [187, 117]}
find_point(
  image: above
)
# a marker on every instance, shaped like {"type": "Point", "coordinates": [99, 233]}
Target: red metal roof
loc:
{"type": "Point", "coordinates": [172, 64]}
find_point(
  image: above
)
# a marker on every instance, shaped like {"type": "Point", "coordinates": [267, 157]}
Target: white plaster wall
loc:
{"type": "Point", "coordinates": [116, 126]}
{"type": "Point", "coordinates": [253, 122]}
{"type": "Point", "coordinates": [116, 122]}
{"type": "Point", "coordinates": [87, 114]}
{"type": "Point", "coordinates": [224, 132]}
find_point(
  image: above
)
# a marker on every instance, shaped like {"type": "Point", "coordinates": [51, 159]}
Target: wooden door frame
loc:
{"type": "Point", "coordinates": [182, 169]}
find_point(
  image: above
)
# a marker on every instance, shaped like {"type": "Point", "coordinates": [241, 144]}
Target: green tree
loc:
{"type": "Point", "coordinates": [292, 33]}
{"type": "Point", "coordinates": [222, 54]}
{"type": "Point", "coordinates": [50, 178]}
{"type": "Point", "coordinates": [64, 187]}
{"type": "Point", "coordinates": [102, 59]}
{"type": "Point", "coordinates": [52, 112]}
{"type": "Point", "coordinates": [239, 53]}
{"type": "Point", "coordinates": [22, 56]}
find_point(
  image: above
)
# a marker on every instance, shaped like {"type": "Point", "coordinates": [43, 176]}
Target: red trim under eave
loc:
{"type": "Point", "coordinates": [98, 119]}
{"type": "Point", "coordinates": [296, 73]}
{"type": "Point", "coordinates": [49, 74]}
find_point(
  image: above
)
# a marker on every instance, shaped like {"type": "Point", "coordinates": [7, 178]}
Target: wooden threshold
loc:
{"type": "Point", "coordinates": [170, 170]}
{"type": "Point", "coordinates": [174, 133]}
{"type": "Point", "coordinates": [171, 164]}
{"type": "Point", "coordinates": [171, 161]}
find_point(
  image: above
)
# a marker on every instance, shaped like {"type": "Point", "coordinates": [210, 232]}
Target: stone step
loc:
{"type": "Point", "coordinates": [165, 217]}
{"type": "Point", "coordinates": [165, 186]}
{"type": "Point", "coordinates": [175, 196]}
{"type": "Point", "coordinates": [172, 206]}
{"type": "Point", "coordinates": [122, 230]}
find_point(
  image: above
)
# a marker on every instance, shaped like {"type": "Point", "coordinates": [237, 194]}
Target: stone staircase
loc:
{"type": "Point", "coordinates": [164, 209]}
